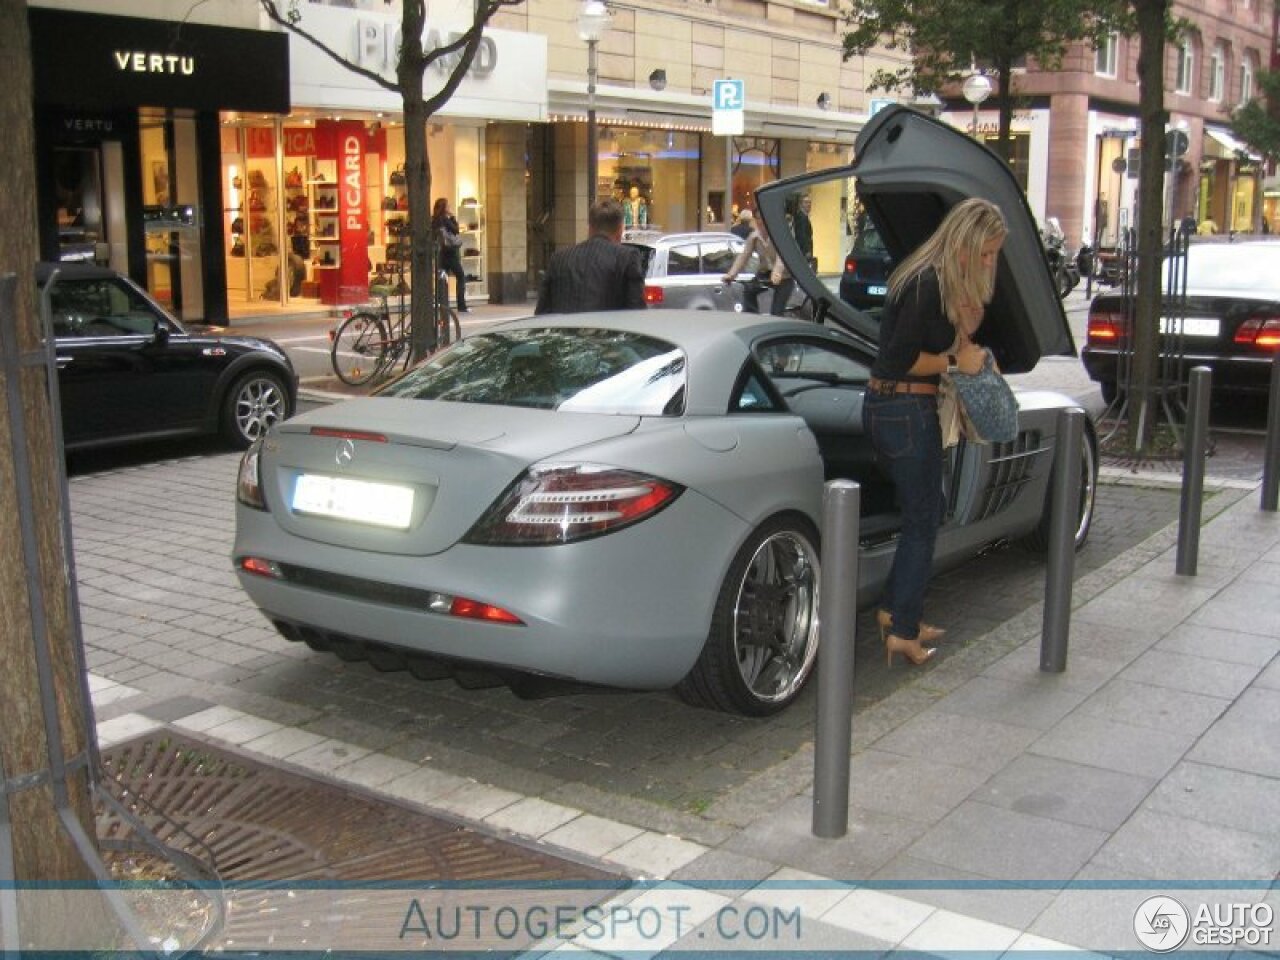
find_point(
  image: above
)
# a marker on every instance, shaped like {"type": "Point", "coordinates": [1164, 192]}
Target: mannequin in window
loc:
{"type": "Point", "coordinates": [635, 212]}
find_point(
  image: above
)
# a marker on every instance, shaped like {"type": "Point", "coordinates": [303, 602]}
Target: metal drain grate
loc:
{"type": "Point", "coordinates": [248, 822]}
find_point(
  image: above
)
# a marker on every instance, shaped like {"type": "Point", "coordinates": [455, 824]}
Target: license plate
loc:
{"type": "Point", "coordinates": [877, 291]}
{"type": "Point", "coordinates": [359, 501]}
{"type": "Point", "coordinates": [1190, 326]}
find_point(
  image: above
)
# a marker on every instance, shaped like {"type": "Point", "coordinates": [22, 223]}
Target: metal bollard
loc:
{"type": "Point", "coordinates": [838, 616]}
{"type": "Point", "coordinates": [1193, 471]}
{"type": "Point", "coordinates": [1064, 518]}
{"type": "Point", "coordinates": [1271, 459]}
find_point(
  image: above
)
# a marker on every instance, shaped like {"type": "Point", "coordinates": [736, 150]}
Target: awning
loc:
{"type": "Point", "coordinates": [1225, 139]}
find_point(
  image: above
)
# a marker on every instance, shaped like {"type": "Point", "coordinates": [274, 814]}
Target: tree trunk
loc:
{"type": "Point", "coordinates": [42, 848]}
{"type": "Point", "coordinates": [1143, 405]}
{"type": "Point", "coordinates": [422, 257]}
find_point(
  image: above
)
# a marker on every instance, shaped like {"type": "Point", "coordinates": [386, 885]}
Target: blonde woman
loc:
{"type": "Point", "coordinates": [936, 300]}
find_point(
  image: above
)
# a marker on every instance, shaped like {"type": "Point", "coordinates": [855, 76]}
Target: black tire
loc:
{"type": "Point", "coordinates": [359, 348]}
{"type": "Point", "coordinates": [1110, 390]}
{"type": "Point", "coordinates": [771, 593]}
{"type": "Point", "coordinates": [256, 401]}
{"type": "Point", "coordinates": [1038, 539]}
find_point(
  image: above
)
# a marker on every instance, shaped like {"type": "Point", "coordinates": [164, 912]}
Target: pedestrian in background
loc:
{"type": "Point", "coordinates": [449, 248]}
{"type": "Point", "coordinates": [597, 274]}
{"type": "Point", "coordinates": [802, 228]}
{"type": "Point", "coordinates": [936, 300]}
{"type": "Point", "coordinates": [769, 270]}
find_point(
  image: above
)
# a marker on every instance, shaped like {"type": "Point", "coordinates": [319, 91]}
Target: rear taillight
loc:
{"type": "Point", "coordinates": [249, 479]}
{"type": "Point", "coordinates": [1106, 329]}
{"type": "Point", "coordinates": [850, 265]}
{"type": "Point", "coordinates": [565, 502]}
{"type": "Point", "coordinates": [653, 295]}
{"type": "Point", "coordinates": [1261, 332]}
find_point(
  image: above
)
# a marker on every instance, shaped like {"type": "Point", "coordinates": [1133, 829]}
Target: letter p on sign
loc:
{"type": "Point", "coordinates": [730, 95]}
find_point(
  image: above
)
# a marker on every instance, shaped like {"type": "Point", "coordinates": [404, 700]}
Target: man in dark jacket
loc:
{"type": "Point", "coordinates": [597, 274]}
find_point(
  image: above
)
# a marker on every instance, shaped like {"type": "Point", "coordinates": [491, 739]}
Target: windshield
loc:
{"type": "Point", "coordinates": [582, 370]}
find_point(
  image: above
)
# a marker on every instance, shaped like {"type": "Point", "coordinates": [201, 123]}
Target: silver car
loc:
{"type": "Point", "coordinates": [632, 499]}
{"type": "Point", "coordinates": [685, 271]}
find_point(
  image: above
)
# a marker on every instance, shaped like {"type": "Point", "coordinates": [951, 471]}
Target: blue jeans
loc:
{"type": "Point", "coordinates": [907, 439]}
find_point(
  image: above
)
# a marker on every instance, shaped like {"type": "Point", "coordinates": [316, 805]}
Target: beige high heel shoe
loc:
{"type": "Point", "coordinates": [911, 649]}
{"type": "Point", "coordinates": [927, 633]}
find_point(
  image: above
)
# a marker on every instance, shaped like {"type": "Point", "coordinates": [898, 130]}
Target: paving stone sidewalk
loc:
{"type": "Point", "coordinates": [1152, 760]}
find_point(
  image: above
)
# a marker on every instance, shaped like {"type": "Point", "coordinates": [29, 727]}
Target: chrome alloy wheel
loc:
{"type": "Point", "coordinates": [260, 402]}
{"type": "Point", "coordinates": [775, 617]}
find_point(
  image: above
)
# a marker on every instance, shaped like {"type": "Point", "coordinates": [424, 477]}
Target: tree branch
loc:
{"type": "Point", "coordinates": [273, 12]}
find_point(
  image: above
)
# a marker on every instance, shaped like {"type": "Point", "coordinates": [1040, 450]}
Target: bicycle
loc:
{"type": "Point", "coordinates": [370, 344]}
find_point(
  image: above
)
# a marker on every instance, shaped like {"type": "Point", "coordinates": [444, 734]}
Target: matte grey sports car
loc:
{"type": "Point", "coordinates": [632, 499]}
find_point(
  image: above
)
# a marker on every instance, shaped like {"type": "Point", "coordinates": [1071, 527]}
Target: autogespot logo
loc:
{"type": "Point", "coordinates": [1161, 924]}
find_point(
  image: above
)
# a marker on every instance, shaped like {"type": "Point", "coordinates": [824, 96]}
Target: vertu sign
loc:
{"type": "Point", "coordinates": [94, 60]}
{"type": "Point", "coordinates": [139, 61]}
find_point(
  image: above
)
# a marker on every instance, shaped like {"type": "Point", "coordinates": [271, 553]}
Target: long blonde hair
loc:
{"type": "Point", "coordinates": [955, 252]}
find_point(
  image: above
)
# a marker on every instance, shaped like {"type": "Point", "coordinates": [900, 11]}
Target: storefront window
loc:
{"type": "Point", "coordinates": [171, 214]}
{"type": "Point", "coordinates": [755, 163]}
{"type": "Point", "coordinates": [654, 174]}
{"type": "Point", "coordinates": [831, 234]}
{"type": "Point", "coordinates": [316, 208]}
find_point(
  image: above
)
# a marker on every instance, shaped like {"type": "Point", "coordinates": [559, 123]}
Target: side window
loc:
{"type": "Point", "coordinates": [753, 396]}
{"type": "Point", "coordinates": [683, 261]}
{"type": "Point", "coordinates": [810, 360]}
{"type": "Point", "coordinates": [100, 308]}
{"type": "Point", "coordinates": [717, 257]}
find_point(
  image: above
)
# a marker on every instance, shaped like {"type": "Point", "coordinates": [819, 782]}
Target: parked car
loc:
{"type": "Point", "coordinates": [632, 498]}
{"type": "Point", "coordinates": [864, 282]}
{"type": "Point", "coordinates": [684, 271]}
{"type": "Point", "coordinates": [127, 370]}
{"type": "Point", "coordinates": [1230, 321]}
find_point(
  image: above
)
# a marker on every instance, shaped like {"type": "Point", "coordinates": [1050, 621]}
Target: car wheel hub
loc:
{"type": "Point", "coordinates": [775, 620]}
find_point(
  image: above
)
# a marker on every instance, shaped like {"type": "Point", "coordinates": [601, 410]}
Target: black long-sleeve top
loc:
{"type": "Point", "coordinates": [910, 324]}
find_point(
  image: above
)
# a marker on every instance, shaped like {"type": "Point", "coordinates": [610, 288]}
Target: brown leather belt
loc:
{"type": "Point", "coordinates": [886, 388]}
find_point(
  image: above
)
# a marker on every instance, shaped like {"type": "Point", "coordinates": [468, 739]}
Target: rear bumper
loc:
{"type": "Point", "coordinates": [1238, 374]}
{"type": "Point", "coordinates": [631, 609]}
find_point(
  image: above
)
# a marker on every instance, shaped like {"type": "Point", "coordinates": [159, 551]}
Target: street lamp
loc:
{"type": "Point", "coordinates": [977, 87]}
{"type": "Point", "coordinates": [593, 24]}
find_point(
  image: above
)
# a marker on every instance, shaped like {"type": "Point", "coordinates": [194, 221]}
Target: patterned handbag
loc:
{"type": "Point", "coordinates": [987, 408]}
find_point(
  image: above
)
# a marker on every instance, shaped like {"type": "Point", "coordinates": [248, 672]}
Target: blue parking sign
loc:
{"type": "Point", "coordinates": [729, 95]}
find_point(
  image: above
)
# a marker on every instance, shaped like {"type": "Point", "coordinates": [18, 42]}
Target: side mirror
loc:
{"type": "Point", "coordinates": [161, 334]}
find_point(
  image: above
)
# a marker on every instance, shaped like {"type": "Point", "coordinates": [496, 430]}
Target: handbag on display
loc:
{"type": "Point", "coordinates": [389, 203]}
{"type": "Point", "coordinates": [980, 407]}
{"type": "Point", "coordinates": [397, 177]}
{"type": "Point", "coordinates": [293, 179]}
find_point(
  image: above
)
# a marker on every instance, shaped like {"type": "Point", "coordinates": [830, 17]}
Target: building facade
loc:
{"type": "Point", "coordinates": [1077, 136]}
{"type": "Point", "coordinates": [283, 192]}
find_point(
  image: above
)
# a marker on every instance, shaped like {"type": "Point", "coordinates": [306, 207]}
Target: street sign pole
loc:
{"type": "Point", "coordinates": [728, 119]}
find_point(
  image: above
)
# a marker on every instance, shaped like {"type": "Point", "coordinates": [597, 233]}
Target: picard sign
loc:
{"type": "Point", "coordinates": [377, 45]}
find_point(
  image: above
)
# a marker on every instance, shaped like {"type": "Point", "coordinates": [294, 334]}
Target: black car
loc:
{"type": "Point", "coordinates": [864, 283]}
{"type": "Point", "coordinates": [127, 370]}
{"type": "Point", "coordinates": [1230, 321]}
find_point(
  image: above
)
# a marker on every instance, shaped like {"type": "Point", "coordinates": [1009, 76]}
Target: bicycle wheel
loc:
{"type": "Point", "coordinates": [359, 348]}
{"type": "Point", "coordinates": [448, 329]}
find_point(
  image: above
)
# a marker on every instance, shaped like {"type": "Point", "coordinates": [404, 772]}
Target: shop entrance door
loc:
{"type": "Point", "coordinates": [77, 177]}
{"type": "Point", "coordinates": [171, 213]}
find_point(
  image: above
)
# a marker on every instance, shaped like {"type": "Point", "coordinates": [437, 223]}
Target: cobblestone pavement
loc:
{"type": "Point", "coordinates": [163, 614]}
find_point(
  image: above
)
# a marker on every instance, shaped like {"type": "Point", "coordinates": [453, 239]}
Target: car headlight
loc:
{"type": "Point", "coordinates": [249, 479]}
{"type": "Point", "coordinates": [560, 503]}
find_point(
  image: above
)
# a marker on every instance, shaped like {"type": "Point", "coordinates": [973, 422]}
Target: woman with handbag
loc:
{"type": "Point", "coordinates": [936, 300]}
{"type": "Point", "coordinates": [449, 247]}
